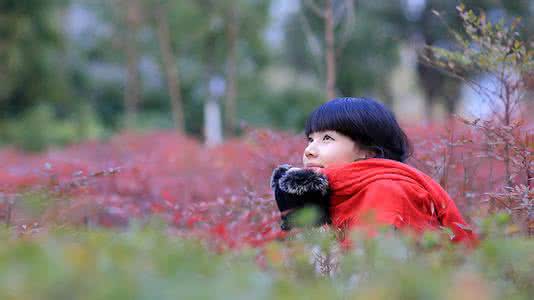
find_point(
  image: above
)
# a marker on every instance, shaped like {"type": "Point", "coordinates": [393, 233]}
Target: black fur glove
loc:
{"type": "Point", "coordinates": [295, 188]}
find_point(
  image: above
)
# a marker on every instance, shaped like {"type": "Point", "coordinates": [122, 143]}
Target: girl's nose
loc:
{"type": "Point", "coordinates": [309, 152]}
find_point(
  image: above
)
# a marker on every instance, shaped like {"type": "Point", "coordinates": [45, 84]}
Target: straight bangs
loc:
{"type": "Point", "coordinates": [327, 117]}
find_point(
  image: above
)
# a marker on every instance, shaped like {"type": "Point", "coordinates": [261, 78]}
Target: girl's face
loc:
{"type": "Point", "coordinates": [329, 148]}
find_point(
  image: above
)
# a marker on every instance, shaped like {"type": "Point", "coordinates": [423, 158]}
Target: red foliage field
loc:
{"type": "Point", "coordinates": [222, 194]}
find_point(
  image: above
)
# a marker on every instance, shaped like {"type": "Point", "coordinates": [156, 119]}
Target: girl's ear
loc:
{"type": "Point", "coordinates": [365, 154]}
{"type": "Point", "coordinates": [374, 152]}
{"type": "Point", "coordinates": [370, 154]}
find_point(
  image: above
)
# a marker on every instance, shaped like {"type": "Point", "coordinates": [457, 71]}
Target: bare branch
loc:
{"type": "Point", "coordinates": [347, 27]}
{"type": "Point", "coordinates": [313, 7]}
{"type": "Point", "coordinates": [311, 40]}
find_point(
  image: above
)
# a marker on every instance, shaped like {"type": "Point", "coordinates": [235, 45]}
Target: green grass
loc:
{"type": "Point", "coordinates": [146, 263]}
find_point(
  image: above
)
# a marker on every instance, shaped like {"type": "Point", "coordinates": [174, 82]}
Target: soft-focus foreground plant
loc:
{"type": "Point", "coordinates": [145, 262]}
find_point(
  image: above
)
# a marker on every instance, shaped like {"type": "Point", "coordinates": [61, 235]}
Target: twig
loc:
{"type": "Point", "coordinates": [313, 6]}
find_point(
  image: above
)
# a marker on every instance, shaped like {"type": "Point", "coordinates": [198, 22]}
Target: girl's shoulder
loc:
{"type": "Point", "coordinates": [401, 187]}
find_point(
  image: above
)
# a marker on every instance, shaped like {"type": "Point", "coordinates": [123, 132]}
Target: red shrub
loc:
{"type": "Point", "coordinates": [222, 194]}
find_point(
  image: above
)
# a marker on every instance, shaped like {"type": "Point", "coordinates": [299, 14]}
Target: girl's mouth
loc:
{"type": "Point", "coordinates": [313, 166]}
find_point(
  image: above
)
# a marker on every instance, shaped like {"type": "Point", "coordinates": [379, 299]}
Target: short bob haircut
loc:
{"type": "Point", "coordinates": [367, 122]}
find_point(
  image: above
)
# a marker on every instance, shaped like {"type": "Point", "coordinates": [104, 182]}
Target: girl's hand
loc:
{"type": "Point", "coordinates": [295, 188]}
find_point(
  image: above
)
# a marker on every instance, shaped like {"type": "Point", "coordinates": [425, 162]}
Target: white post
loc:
{"type": "Point", "coordinates": [213, 132]}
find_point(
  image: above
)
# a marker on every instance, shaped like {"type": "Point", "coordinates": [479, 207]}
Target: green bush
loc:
{"type": "Point", "coordinates": [147, 263]}
{"type": "Point", "coordinates": [39, 128]}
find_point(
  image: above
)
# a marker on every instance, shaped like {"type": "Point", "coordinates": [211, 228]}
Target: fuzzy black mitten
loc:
{"type": "Point", "coordinates": [296, 188]}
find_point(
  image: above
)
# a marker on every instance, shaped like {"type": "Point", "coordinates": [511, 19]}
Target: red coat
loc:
{"type": "Point", "coordinates": [393, 193]}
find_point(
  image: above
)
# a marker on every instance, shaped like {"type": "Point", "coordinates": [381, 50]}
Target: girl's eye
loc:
{"type": "Point", "coordinates": [325, 138]}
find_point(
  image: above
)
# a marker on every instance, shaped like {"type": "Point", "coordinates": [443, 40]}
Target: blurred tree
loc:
{"type": "Point", "coordinates": [326, 12]}
{"type": "Point", "coordinates": [168, 60]}
{"type": "Point", "coordinates": [367, 36]}
{"type": "Point", "coordinates": [132, 18]}
{"type": "Point", "coordinates": [94, 59]}
{"type": "Point", "coordinates": [212, 51]}
{"type": "Point", "coordinates": [211, 40]}
{"type": "Point", "coordinates": [30, 39]}
{"type": "Point", "coordinates": [245, 60]}
{"type": "Point", "coordinates": [187, 26]}
{"type": "Point", "coordinates": [97, 41]}
{"type": "Point", "coordinates": [371, 49]}
{"type": "Point", "coordinates": [230, 48]}
{"type": "Point", "coordinates": [432, 30]}
{"type": "Point", "coordinates": [366, 33]}
{"type": "Point", "coordinates": [75, 82]}
{"type": "Point", "coordinates": [232, 37]}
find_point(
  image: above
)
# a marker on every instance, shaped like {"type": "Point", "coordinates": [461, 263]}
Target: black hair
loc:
{"type": "Point", "coordinates": [367, 122]}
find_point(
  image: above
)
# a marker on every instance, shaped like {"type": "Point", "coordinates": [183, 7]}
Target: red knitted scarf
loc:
{"type": "Point", "coordinates": [393, 193]}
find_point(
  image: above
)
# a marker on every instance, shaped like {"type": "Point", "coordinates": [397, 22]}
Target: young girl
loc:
{"type": "Point", "coordinates": [354, 172]}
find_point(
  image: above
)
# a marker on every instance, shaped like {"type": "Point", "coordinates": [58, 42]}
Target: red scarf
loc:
{"type": "Point", "coordinates": [392, 193]}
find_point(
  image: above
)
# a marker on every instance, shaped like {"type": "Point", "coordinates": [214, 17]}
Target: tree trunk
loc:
{"type": "Point", "coordinates": [330, 50]}
{"type": "Point", "coordinates": [133, 81]}
{"type": "Point", "coordinates": [232, 32]}
{"type": "Point", "coordinates": [172, 74]}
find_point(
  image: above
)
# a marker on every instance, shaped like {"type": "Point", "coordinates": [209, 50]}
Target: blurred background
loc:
{"type": "Point", "coordinates": [72, 70]}
{"type": "Point", "coordinates": [144, 88]}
